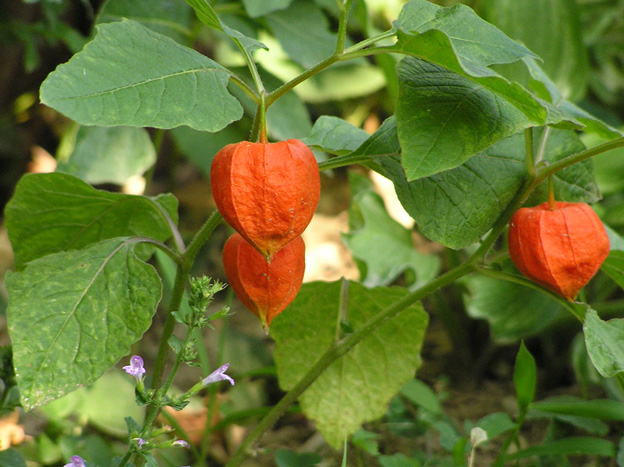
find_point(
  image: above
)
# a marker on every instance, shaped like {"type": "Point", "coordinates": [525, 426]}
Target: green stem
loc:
{"type": "Point", "coordinates": [176, 299]}
{"type": "Point", "coordinates": [253, 95]}
{"type": "Point", "coordinates": [342, 25]}
{"type": "Point", "coordinates": [550, 169]}
{"type": "Point", "coordinates": [500, 460]}
{"type": "Point", "coordinates": [551, 193]}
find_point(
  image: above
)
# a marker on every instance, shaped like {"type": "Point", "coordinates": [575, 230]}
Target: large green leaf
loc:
{"type": "Point", "coordinates": [458, 206]}
{"type": "Point", "coordinates": [604, 343]}
{"type": "Point", "coordinates": [357, 387]}
{"type": "Point", "coordinates": [169, 17]}
{"type": "Point", "coordinates": [371, 226]}
{"type": "Point", "coordinates": [551, 29]}
{"type": "Point", "coordinates": [442, 126]}
{"type": "Point", "coordinates": [476, 42]}
{"type": "Point", "coordinates": [130, 75]}
{"type": "Point", "coordinates": [56, 212]}
{"type": "Point", "coordinates": [109, 154]}
{"type": "Point", "coordinates": [72, 315]}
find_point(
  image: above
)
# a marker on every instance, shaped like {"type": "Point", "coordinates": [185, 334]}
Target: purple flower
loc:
{"type": "Point", "coordinates": [218, 375]}
{"type": "Point", "coordinates": [181, 443]}
{"type": "Point", "coordinates": [76, 461]}
{"type": "Point", "coordinates": [135, 368]}
{"type": "Point", "coordinates": [140, 442]}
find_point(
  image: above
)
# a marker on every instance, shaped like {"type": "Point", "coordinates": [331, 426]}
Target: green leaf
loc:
{"type": "Point", "coordinates": [200, 147]}
{"type": "Point", "coordinates": [568, 446]}
{"type": "Point", "coordinates": [525, 377]}
{"type": "Point", "coordinates": [171, 18]}
{"type": "Point", "coordinates": [495, 424]}
{"type": "Point", "coordinates": [205, 13]}
{"type": "Point", "coordinates": [475, 41]}
{"type": "Point", "coordinates": [57, 212]}
{"type": "Point", "coordinates": [357, 387]}
{"type": "Point", "coordinates": [371, 226]}
{"type": "Point", "coordinates": [114, 393]}
{"type": "Point", "coordinates": [256, 8]}
{"type": "Point", "coordinates": [288, 458]}
{"type": "Point", "coordinates": [442, 126]}
{"type": "Point", "coordinates": [75, 314]}
{"type": "Point", "coordinates": [162, 84]}
{"type": "Point", "coordinates": [398, 460]}
{"type": "Point", "coordinates": [303, 32]}
{"type": "Point", "coordinates": [422, 395]}
{"type": "Point", "coordinates": [614, 266]}
{"type": "Point", "coordinates": [563, 53]}
{"type": "Point", "coordinates": [512, 311]}
{"type": "Point", "coordinates": [11, 458]}
{"type": "Point", "coordinates": [604, 343]}
{"type": "Point", "coordinates": [601, 409]}
{"type": "Point", "coordinates": [335, 136]}
{"type": "Point", "coordinates": [109, 155]}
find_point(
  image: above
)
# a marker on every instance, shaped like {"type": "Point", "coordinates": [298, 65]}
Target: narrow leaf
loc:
{"type": "Point", "coordinates": [57, 212]}
{"type": "Point", "coordinates": [525, 377]}
{"type": "Point", "coordinates": [602, 409]}
{"type": "Point", "coordinates": [568, 446]}
{"type": "Point", "coordinates": [75, 314]}
{"type": "Point", "coordinates": [357, 387]}
{"type": "Point", "coordinates": [162, 84]}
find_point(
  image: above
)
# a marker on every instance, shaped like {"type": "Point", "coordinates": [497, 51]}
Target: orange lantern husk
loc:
{"type": "Point", "coordinates": [266, 289]}
{"type": "Point", "coordinates": [561, 248]}
{"type": "Point", "coordinates": [267, 192]}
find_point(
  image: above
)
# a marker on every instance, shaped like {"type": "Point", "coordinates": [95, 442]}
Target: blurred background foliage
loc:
{"type": "Point", "coordinates": [581, 44]}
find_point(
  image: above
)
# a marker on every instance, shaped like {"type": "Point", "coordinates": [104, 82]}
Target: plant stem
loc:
{"type": "Point", "coordinates": [551, 193]}
{"type": "Point", "coordinates": [547, 170]}
{"type": "Point", "coordinates": [342, 25]}
{"type": "Point", "coordinates": [500, 460]}
{"type": "Point", "coordinates": [176, 299]}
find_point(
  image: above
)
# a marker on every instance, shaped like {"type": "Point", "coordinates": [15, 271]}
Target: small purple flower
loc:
{"type": "Point", "coordinates": [181, 443]}
{"type": "Point", "coordinates": [76, 461]}
{"type": "Point", "coordinates": [140, 442]}
{"type": "Point", "coordinates": [135, 368]}
{"type": "Point", "coordinates": [218, 375]}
